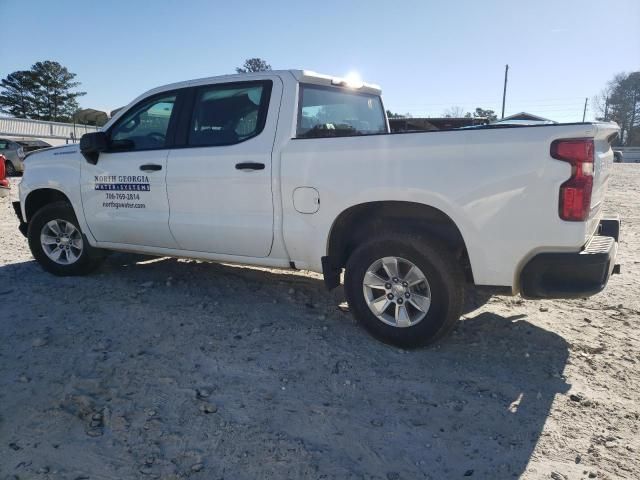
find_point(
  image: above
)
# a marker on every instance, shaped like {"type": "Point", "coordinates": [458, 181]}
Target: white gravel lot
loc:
{"type": "Point", "coordinates": [163, 368]}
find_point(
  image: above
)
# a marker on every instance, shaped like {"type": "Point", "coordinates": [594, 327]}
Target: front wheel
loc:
{"type": "Point", "coordinates": [406, 290]}
{"type": "Point", "coordinates": [57, 243]}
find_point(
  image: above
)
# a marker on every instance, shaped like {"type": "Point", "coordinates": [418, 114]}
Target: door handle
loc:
{"type": "Point", "coordinates": [249, 166]}
{"type": "Point", "coordinates": [150, 167]}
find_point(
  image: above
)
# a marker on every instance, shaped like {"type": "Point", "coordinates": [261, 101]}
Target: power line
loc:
{"type": "Point", "coordinates": [512, 106]}
{"type": "Point", "coordinates": [491, 102]}
{"type": "Point", "coordinates": [557, 112]}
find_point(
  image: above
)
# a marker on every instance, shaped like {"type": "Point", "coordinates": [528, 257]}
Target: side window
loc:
{"type": "Point", "coordinates": [335, 112]}
{"type": "Point", "coordinates": [145, 126]}
{"type": "Point", "coordinates": [228, 114]}
{"type": "Point", "coordinates": [4, 144]}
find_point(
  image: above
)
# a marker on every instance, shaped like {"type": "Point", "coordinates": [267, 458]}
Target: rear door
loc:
{"type": "Point", "coordinates": [124, 195]}
{"type": "Point", "coordinates": [219, 179]}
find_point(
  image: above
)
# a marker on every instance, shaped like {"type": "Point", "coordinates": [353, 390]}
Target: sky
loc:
{"type": "Point", "coordinates": [427, 56]}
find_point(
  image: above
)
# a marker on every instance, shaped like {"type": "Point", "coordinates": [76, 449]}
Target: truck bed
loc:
{"type": "Point", "coordinates": [498, 184]}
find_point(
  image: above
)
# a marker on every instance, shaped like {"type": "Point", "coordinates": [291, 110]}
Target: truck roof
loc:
{"type": "Point", "coordinates": [309, 76]}
{"type": "Point", "coordinates": [305, 76]}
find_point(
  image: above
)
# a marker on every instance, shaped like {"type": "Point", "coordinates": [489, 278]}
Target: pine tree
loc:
{"type": "Point", "coordinates": [53, 87]}
{"type": "Point", "coordinates": [17, 97]}
{"type": "Point", "coordinates": [43, 93]}
{"type": "Point", "coordinates": [253, 65]}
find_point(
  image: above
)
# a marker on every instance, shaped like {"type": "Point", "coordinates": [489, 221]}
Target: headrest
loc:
{"type": "Point", "coordinates": [219, 111]}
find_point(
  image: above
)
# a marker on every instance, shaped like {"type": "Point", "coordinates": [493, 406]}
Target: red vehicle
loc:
{"type": "Point", "coordinates": [4, 183]}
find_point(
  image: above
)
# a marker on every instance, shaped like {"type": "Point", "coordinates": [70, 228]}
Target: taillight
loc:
{"type": "Point", "coordinates": [3, 181]}
{"type": "Point", "coordinates": [575, 193]}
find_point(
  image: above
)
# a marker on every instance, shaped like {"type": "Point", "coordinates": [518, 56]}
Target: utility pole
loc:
{"type": "Point", "coordinates": [584, 113]}
{"type": "Point", "coordinates": [606, 109]}
{"type": "Point", "coordinates": [504, 92]}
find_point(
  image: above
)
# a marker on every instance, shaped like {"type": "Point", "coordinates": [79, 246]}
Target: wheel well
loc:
{"type": "Point", "coordinates": [39, 198]}
{"type": "Point", "coordinates": [362, 222]}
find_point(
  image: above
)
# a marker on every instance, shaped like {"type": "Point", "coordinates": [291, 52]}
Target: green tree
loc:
{"type": "Point", "coordinates": [55, 99]}
{"type": "Point", "coordinates": [620, 102]}
{"type": "Point", "coordinates": [16, 97]}
{"type": "Point", "coordinates": [46, 92]}
{"type": "Point", "coordinates": [253, 65]}
{"type": "Point", "coordinates": [390, 114]}
{"type": "Point", "coordinates": [488, 114]}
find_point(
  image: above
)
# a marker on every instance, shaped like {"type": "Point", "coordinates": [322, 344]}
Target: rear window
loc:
{"type": "Point", "coordinates": [335, 112]}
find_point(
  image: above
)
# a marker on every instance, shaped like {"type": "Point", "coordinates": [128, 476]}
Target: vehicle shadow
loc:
{"type": "Point", "coordinates": [300, 391]}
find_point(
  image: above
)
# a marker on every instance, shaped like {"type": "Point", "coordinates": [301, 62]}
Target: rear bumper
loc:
{"type": "Point", "coordinates": [576, 274]}
{"type": "Point", "coordinates": [23, 225]}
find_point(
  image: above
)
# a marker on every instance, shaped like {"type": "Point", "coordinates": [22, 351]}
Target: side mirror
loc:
{"type": "Point", "coordinates": [91, 144]}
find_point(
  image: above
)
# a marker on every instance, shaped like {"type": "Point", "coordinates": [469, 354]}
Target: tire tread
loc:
{"type": "Point", "coordinates": [91, 257]}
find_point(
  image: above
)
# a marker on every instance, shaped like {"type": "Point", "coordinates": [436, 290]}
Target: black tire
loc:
{"type": "Point", "coordinates": [87, 261]}
{"type": "Point", "coordinates": [9, 169]}
{"type": "Point", "coordinates": [446, 282]}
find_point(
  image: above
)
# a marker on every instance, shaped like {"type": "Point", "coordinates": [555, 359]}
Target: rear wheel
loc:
{"type": "Point", "coordinates": [58, 244]}
{"type": "Point", "coordinates": [405, 290]}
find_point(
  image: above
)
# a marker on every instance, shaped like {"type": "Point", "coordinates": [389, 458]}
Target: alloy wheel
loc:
{"type": "Point", "coordinates": [61, 241]}
{"type": "Point", "coordinates": [397, 292]}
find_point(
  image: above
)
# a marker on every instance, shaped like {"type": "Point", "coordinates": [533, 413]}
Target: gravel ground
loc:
{"type": "Point", "coordinates": [164, 368]}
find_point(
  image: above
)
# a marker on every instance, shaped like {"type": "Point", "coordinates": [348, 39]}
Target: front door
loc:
{"type": "Point", "coordinates": [124, 195]}
{"type": "Point", "coordinates": [219, 182]}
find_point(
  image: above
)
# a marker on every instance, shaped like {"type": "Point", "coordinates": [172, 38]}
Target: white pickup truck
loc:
{"type": "Point", "coordinates": [293, 169]}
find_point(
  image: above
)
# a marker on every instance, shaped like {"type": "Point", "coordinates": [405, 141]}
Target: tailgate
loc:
{"type": "Point", "coordinates": [602, 165]}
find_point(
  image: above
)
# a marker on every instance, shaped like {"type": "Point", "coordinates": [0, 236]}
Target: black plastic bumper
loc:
{"type": "Point", "coordinates": [23, 225]}
{"type": "Point", "coordinates": [574, 275]}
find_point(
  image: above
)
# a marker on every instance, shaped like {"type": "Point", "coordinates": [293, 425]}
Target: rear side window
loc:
{"type": "Point", "coordinates": [228, 114]}
{"type": "Point", "coordinates": [336, 112]}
